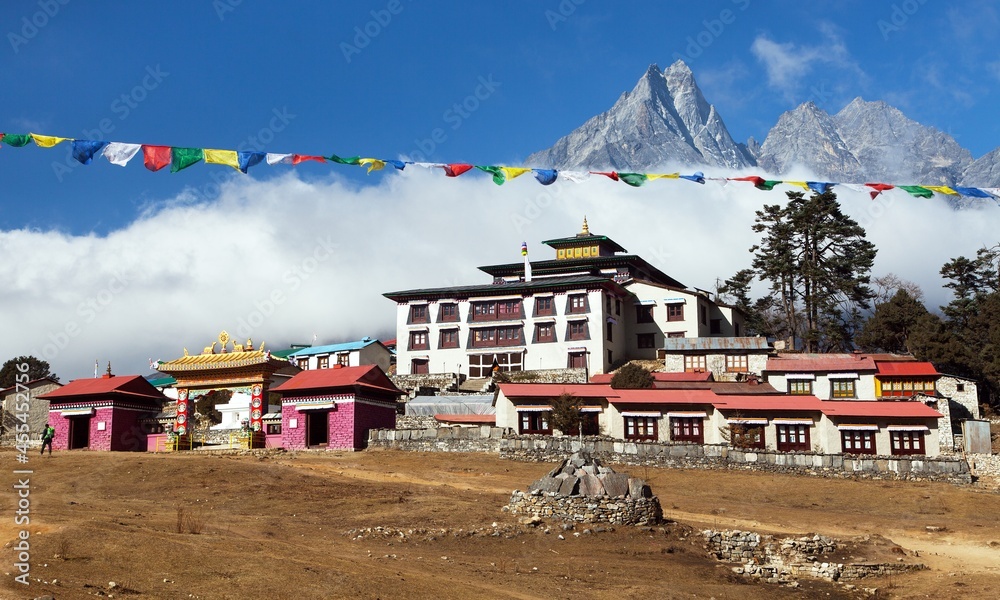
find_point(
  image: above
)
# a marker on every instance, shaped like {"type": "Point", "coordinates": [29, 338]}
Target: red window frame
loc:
{"type": "Point", "coordinates": [545, 332]}
{"type": "Point", "coordinates": [792, 438]}
{"type": "Point", "coordinates": [577, 360]}
{"type": "Point", "coordinates": [419, 314]}
{"type": "Point", "coordinates": [747, 436]}
{"type": "Point", "coordinates": [534, 422]}
{"type": "Point", "coordinates": [687, 429]}
{"type": "Point", "coordinates": [544, 307]}
{"type": "Point", "coordinates": [857, 442]}
{"type": "Point", "coordinates": [905, 443]}
{"type": "Point", "coordinates": [644, 313]}
{"type": "Point", "coordinates": [323, 362]}
{"type": "Point", "coordinates": [420, 366]}
{"type": "Point", "coordinates": [418, 340]}
{"type": "Point", "coordinates": [577, 330]}
{"type": "Point", "coordinates": [641, 428]}
{"type": "Point", "coordinates": [448, 313]}
{"type": "Point", "coordinates": [645, 340]}
{"type": "Point", "coordinates": [483, 311]}
{"type": "Point", "coordinates": [576, 304]}
{"type": "Point", "coordinates": [675, 312]}
{"type": "Point", "coordinates": [448, 338]}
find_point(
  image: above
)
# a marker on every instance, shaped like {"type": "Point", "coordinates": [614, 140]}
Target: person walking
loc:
{"type": "Point", "coordinates": [47, 434]}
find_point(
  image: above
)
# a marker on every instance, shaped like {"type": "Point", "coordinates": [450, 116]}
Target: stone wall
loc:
{"type": "Point", "coordinates": [416, 422]}
{"type": "Point", "coordinates": [781, 560]}
{"type": "Point", "coordinates": [547, 376]}
{"type": "Point", "coordinates": [483, 438]}
{"type": "Point", "coordinates": [984, 464]}
{"type": "Point", "coordinates": [586, 509]}
{"type": "Point", "coordinates": [411, 384]}
{"type": "Point", "coordinates": [543, 448]}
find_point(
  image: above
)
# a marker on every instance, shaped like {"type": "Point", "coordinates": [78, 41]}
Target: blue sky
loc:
{"type": "Point", "coordinates": [377, 79]}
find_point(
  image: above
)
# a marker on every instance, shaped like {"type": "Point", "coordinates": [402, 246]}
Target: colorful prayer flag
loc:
{"type": "Point", "coordinates": [222, 157]}
{"type": "Point", "coordinates": [84, 150]}
{"type": "Point", "coordinates": [249, 159]}
{"type": "Point", "coordinates": [46, 141]}
{"type": "Point", "coordinates": [916, 190]}
{"type": "Point", "coordinates": [456, 169]}
{"type": "Point", "coordinates": [17, 140]}
{"type": "Point", "coordinates": [498, 175]}
{"type": "Point", "coordinates": [513, 172]}
{"type": "Point", "coordinates": [546, 176]}
{"type": "Point", "coordinates": [373, 164]}
{"type": "Point", "coordinates": [183, 158]}
{"type": "Point", "coordinates": [633, 179]}
{"type": "Point", "coordinates": [155, 157]}
{"type": "Point", "coordinates": [351, 160]}
{"type": "Point", "coordinates": [119, 154]}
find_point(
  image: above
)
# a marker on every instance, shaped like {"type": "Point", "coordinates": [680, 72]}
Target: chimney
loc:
{"type": "Point", "coordinates": [857, 355]}
{"type": "Point", "coordinates": [109, 374]}
{"type": "Point", "coordinates": [338, 366]}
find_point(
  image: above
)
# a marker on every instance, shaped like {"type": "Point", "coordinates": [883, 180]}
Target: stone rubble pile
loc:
{"type": "Point", "coordinates": [581, 489]}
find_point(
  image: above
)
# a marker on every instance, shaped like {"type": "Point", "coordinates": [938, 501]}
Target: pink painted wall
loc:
{"type": "Point", "coordinates": [341, 424]}
{"type": "Point", "coordinates": [122, 431]}
{"type": "Point", "coordinates": [292, 439]}
{"type": "Point", "coordinates": [372, 417]}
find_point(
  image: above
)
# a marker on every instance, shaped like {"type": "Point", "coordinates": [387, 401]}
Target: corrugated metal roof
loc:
{"type": "Point", "coordinates": [907, 368]}
{"type": "Point", "coordinates": [575, 281]}
{"type": "Point", "coordinates": [879, 409]}
{"type": "Point", "coordinates": [467, 419]}
{"type": "Point", "coordinates": [804, 363]}
{"type": "Point", "coordinates": [551, 390]}
{"type": "Point", "coordinates": [133, 386]}
{"type": "Point", "coordinates": [721, 344]}
{"type": "Point", "coordinates": [370, 376]}
{"type": "Point", "coordinates": [331, 348]}
{"type": "Point", "coordinates": [660, 396]}
{"type": "Point", "coordinates": [658, 376]}
{"type": "Point", "coordinates": [780, 403]}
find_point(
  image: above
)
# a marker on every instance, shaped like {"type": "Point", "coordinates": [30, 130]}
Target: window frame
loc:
{"type": "Point", "coordinates": [549, 308]}
{"type": "Point", "coordinates": [737, 366]}
{"type": "Point", "coordinates": [840, 394]}
{"type": "Point", "coordinates": [448, 338]}
{"type": "Point", "coordinates": [675, 311]}
{"type": "Point", "coordinates": [642, 428]}
{"type": "Point", "coordinates": [448, 307]}
{"type": "Point", "coordinates": [419, 313]}
{"type": "Point", "coordinates": [545, 339]}
{"type": "Point", "coordinates": [801, 433]}
{"type": "Point", "coordinates": [577, 330]}
{"type": "Point", "coordinates": [323, 362]}
{"type": "Point", "coordinates": [794, 383]}
{"type": "Point", "coordinates": [577, 304]}
{"type": "Point", "coordinates": [534, 422]}
{"type": "Point", "coordinates": [419, 340]}
{"type": "Point", "coordinates": [899, 440]}
{"type": "Point", "coordinates": [645, 313]}
{"type": "Point", "coordinates": [695, 363]}
{"type": "Point", "coordinates": [649, 337]}
{"type": "Point", "coordinates": [851, 438]}
{"type": "Point", "coordinates": [689, 430]}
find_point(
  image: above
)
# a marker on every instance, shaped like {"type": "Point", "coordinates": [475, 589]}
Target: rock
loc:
{"type": "Point", "coordinates": [637, 488]}
{"type": "Point", "coordinates": [570, 486]}
{"type": "Point", "coordinates": [615, 484]}
{"type": "Point", "coordinates": [590, 485]}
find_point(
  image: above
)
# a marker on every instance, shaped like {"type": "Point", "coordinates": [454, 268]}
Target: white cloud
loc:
{"type": "Point", "coordinates": [788, 65]}
{"type": "Point", "coordinates": [282, 259]}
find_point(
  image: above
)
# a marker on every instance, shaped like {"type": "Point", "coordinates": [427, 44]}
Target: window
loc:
{"type": "Point", "coordinates": [449, 338]}
{"type": "Point", "coordinates": [344, 359]}
{"type": "Point", "coordinates": [715, 327]}
{"type": "Point", "coordinates": [607, 304]}
{"type": "Point", "coordinates": [418, 340]}
{"type": "Point", "coordinates": [484, 311]}
{"type": "Point", "coordinates": [609, 327]}
{"type": "Point", "coordinates": [641, 428]}
{"type": "Point", "coordinates": [590, 423]}
{"type": "Point", "coordinates": [577, 330]}
{"type": "Point", "coordinates": [644, 313]}
{"type": "Point", "coordinates": [906, 387]}
{"type": "Point", "coordinates": [675, 312]}
{"type": "Point", "coordinates": [418, 313]}
{"type": "Point", "coordinates": [420, 366]}
{"type": "Point", "coordinates": [959, 387]}
{"type": "Point", "coordinates": [611, 357]}
{"type": "Point", "coordinates": [484, 337]}
{"type": "Point", "coordinates": [675, 334]}
{"type": "Point", "coordinates": [577, 304]}
{"type": "Point", "coordinates": [545, 332]}
{"type": "Point", "coordinates": [857, 442]}
{"type": "Point", "coordinates": [499, 336]}
{"type": "Point", "coordinates": [303, 363]}
{"type": "Point", "coordinates": [687, 429]}
{"type": "Point", "coordinates": [509, 336]}
{"type": "Point", "coordinates": [737, 363]}
{"type": "Point", "coordinates": [646, 340]}
{"type": "Point", "coordinates": [800, 387]}
{"type": "Point", "coordinates": [842, 388]}
{"type": "Point", "coordinates": [695, 364]}
{"type": "Point", "coordinates": [481, 365]}
{"type": "Point", "coordinates": [577, 360]}
{"type": "Point", "coordinates": [273, 428]}
{"type": "Point", "coordinates": [618, 307]}
{"type": "Point", "coordinates": [543, 307]}
{"type": "Point", "coordinates": [323, 362]}
{"type": "Point", "coordinates": [743, 435]}
{"type": "Point", "coordinates": [736, 329]}
{"type": "Point", "coordinates": [535, 422]}
{"type": "Point", "coordinates": [508, 310]}
{"type": "Point", "coordinates": [448, 313]}
{"type": "Point", "coordinates": [907, 442]}
{"type": "Point", "coordinates": [703, 314]}
{"type": "Point", "coordinates": [793, 438]}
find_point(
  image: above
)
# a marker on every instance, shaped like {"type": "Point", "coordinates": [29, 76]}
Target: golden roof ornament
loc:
{"type": "Point", "coordinates": [586, 228]}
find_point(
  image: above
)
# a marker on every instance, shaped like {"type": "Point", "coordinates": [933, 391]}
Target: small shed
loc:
{"type": "Point", "coordinates": [334, 408]}
{"type": "Point", "coordinates": [105, 413]}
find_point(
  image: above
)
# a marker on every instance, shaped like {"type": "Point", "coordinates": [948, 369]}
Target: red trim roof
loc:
{"type": "Point", "coordinates": [367, 376]}
{"type": "Point", "coordinates": [123, 385]}
{"type": "Point", "coordinates": [785, 403]}
{"type": "Point", "coordinates": [467, 419]}
{"type": "Point", "coordinates": [551, 390]}
{"type": "Point", "coordinates": [879, 409]}
{"type": "Point", "coordinates": [659, 376]}
{"type": "Point", "coordinates": [661, 396]}
{"type": "Point", "coordinates": [907, 369]}
{"type": "Point", "coordinates": [805, 363]}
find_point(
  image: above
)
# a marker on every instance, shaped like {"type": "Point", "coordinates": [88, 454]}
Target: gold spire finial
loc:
{"type": "Point", "coordinates": [586, 228]}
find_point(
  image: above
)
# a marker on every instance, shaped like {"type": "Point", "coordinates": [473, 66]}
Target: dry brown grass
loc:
{"type": "Point", "coordinates": [170, 526]}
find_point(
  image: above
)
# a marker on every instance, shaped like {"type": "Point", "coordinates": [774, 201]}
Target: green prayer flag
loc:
{"type": "Point", "coordinates": [184, 158]}
{"type": "Point", "coordinates": [350, 160]}
{"type": "Point", "coordinates": [633, 179]}
{"type": "Point", "coordinates": [768, 184]}
{"type": "Point", "coordinates": [17, 139]}
{"type": "Point", "coordinates": [498, 176]}
{"type": "Point", "coordinates": [916, 190]}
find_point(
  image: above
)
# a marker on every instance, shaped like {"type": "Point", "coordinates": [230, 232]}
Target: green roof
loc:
{"type": "Point", "coordinates": [541, 283]}
{"type": "Point", "coordinates": [578, 240]}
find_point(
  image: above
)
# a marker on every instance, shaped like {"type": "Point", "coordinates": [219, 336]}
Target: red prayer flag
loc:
{"type": "Point", "coordinates": [298, 158]}
{"type": "Point", "coordinates": [156, 157]}
{"type": "Point", "coordinates": [879, 188]}
{"type": "Point", "coordinates": [757, 181]}
{"type": "Point", "coordinates": [610, 175]}
{"type": "Point", "coordinates": [454, 170]}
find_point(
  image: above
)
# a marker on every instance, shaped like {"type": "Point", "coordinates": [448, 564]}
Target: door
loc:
{"type": "Point", "coordinates": [317, 428]}
{"type": "Point", "coordinates": [79, 433]}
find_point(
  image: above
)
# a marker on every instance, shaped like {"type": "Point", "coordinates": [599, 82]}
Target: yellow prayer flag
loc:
{"type": "Point", "coordinates": [801, 184]}
{"type": "Point", "coordinates": [942, 189]}
{"type": "Point", "coordinates": [512, 172]}
{"type": "Point", "coordinates": [373, 164]}
{"type": "Point", "coordinates": [652, 176]}
{"type": "Point", "coordinates": [222, 157]}
{"type": "Point", "coordinates": [46, 141]}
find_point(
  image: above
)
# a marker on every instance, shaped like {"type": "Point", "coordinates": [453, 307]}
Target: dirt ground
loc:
{"type": "Point", "coordinates": [387, 524]}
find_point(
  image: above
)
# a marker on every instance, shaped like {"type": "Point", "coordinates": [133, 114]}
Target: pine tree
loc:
{"type": "Point", "coordinates": [37, 369]}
